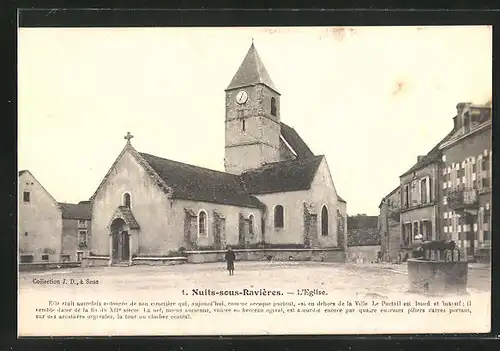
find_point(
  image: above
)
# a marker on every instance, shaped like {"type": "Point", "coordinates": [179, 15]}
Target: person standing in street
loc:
{"type": "Point", "coordinates": [230, 258]}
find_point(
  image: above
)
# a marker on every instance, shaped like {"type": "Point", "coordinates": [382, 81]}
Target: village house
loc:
{"type": "Point", "coordinates": [446, 195]}
{"type": "Point", "coordinates": [274, 191]}
{"type": "Point", "coordinates": [39, 222]}
{"type": "Point", "coordinates": [419, 188]}
{"type": "Point", "coordinates": [389, 226]}
{"type": "Point", "coordinates": [49, 231]}
{"type": "Point", "coordinates": [75, 230]}
{"type": "Point", "coordinates": [465, 188]}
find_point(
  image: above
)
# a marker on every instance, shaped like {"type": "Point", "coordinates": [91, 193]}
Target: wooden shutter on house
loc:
{"type": "Point", "coordinates": [428, 189]}
{"type": "Point", "coordinates": [468, 174]}
{"type": "Point", "coordinates": [453, 176]}
{"type": "Point", "coordinates": [454, 225]}
{"type": "Point", "coordinates": [479, 172]}
{"type": "Point", "coordinates": [480, 221]}
{"type": "Point", "coordinates": [490, 171]}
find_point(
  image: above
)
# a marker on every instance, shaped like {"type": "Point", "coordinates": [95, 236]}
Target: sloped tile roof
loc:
{"type": "Point", "coordinates": [296, 142]}
{"type": "Point", "coordinates": [431, 157]}
{"type": "Point", "coordinates": [82, 210]}
{"type": "Point", "coordinates": [283, 176]}
{"type": "Point", "coordinates": [251, 71]}
{"type": "Point", "coordinates": [201, 184]}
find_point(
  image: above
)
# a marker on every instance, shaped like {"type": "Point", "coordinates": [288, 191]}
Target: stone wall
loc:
{"type": "Point", "coordinates": [95, 261]}
{"type": "Point", "coordinates": [319, 255]}
{"type": "Point", "coordinates": [362, 254]}
{"type": "Point", "coordinates": [437, 277]}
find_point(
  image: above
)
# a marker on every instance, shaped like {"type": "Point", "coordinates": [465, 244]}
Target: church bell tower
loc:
{"type": "Point", "coordinates": [252, 117]}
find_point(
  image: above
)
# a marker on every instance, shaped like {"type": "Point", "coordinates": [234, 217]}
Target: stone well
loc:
{"type": "Point", "coordinates": [436, 269]}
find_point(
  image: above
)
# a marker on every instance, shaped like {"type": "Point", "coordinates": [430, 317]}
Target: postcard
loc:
{"type": "Point", "coordinates": [254, 180]}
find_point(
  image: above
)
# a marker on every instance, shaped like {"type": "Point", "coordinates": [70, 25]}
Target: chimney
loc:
{"type": "Point", "coordinates": [461, 105]}
{"type": "Point", "coordinates": [419, 158]}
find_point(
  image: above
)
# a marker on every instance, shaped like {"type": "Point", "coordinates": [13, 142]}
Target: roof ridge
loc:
{"type": "Point", "coordinates": [188, 164]}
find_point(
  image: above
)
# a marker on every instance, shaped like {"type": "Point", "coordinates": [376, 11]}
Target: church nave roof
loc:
{"type": "Point", "coordinates": [195, 183]}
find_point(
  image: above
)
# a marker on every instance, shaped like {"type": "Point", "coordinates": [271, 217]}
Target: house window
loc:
{"type": "Point", "coordinates": [251, 224]}
{"type": "Point", "coordinates": [423, 191]}
{"type": "Point", "coordinates": [415, 229]}
{"type": "Point", "coordinates": [486, 216]}
{"type": "Point", "coordinates": [126, 200]}
{"type": "Point", "coordinates": [45, 257]}
{"type": "Point", "coordinates": [25, 233]}
{"type": "Point", "coordinates": [324, 221]}
{"type": "Point", "coordinates": [243, 125]}
{"type": "Point", "coordinates": [278, 216]}
{"type": "Point", "coordinates": [273, 106]}
{"type": "Point", "coordinates": [486, 235]}
{"type": "Point", "coordinates": [26, 196]}
{"type": "Point", "coordinates": [26, 258]}
{"type": "Point", "coordinates": [65, 258]}
{"type": "Point", "coordinates": [82, 235]}
{"type": "Point", "coordinates": [202, 223]}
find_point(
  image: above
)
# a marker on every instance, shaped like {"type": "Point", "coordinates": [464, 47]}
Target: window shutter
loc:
{"type": "Point", "coordinates": [454, 224]}
{"type": "Point", "coordinates": [428, 189]}
{"type": "Point", "coordinates": [480, 221]}
{"type": "Point", "coordinates": [453, 177]}
{"type": "Point", "coordinates": [490, 169]}
{"type": "Point", "coordinates": [479, 172]}
{"type": "Point", "coordinates": [417, 192]}
{"type": "Point", "coordinates": [468, 175]}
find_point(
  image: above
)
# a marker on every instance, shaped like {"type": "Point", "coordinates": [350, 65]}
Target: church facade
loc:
{"type": "Point", "coordinates": [274, 192]}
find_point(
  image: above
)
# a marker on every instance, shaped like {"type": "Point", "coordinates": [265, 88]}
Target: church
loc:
{"type": "Point", "coordinates": [275, 192]}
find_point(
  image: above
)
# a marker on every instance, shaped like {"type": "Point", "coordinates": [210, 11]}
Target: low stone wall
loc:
{"type": "Point", "coordinates": [437, 277]}
{"type": "Point", "coordinates": [158, 261]}
{"type": "Point", "coordinates": [363, 253]}
{"type": "Point", "coordinates": [95, 261]}
{"type": "Point", "coordinates": [40, 266]}
{"type": "Point", "coordinates": [320, 255]}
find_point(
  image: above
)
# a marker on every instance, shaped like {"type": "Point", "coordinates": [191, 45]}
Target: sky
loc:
{"type": "Point", "coordinates": [371, 99]}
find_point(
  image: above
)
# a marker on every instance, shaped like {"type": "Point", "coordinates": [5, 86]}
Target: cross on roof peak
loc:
{"type": "Point", "coordinates": [128, 137]}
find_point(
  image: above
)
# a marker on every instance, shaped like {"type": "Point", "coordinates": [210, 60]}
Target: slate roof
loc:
{"type": "Point", "coordinates": [252, 71]}
{"type": "Point", "coordinates": [296, 142]}
{"type": "Point", "coordinates": [282, 176]}
{"type": "Point", "coordinates": [128, 217]}
{"type": "Point", "coordinates": [82, 210]}
{"type": "Point", "coordinates": [195, 183]}
{"type": "Point", "coordinates": [431, 157]}
{"type": "Point", "coordinates": [340, 199]}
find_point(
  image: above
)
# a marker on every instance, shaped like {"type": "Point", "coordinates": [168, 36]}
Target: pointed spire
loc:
{"type": "Point", "coordinates": [252, 71]}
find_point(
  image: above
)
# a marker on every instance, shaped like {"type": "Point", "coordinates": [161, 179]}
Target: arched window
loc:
{"type": "Point", "coordinates": [324, 221]}
{"type": "Point", "coordinates": [273, 106]}
{"type": "Point", "coordinates": [202, 223]}
{"type": "Point", "coordinates": [126, 200]}
{"type": "Point", "coordinates": [251, 224]}
{"type": "Point", "coordinates": [278, 216]}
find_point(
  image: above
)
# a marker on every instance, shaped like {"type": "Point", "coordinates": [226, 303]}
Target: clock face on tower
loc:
{"type": "Point", "coordinates": [241, 97]}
